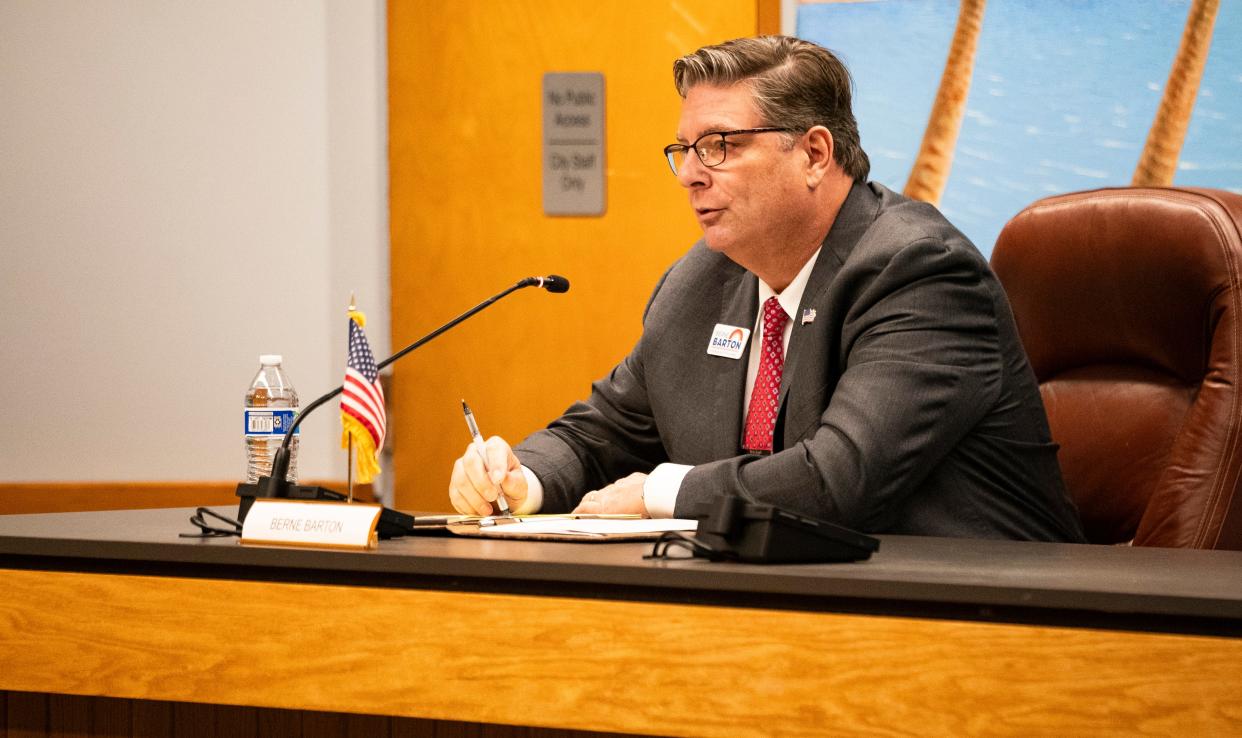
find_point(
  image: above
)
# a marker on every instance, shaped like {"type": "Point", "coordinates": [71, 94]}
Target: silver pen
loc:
{"type": "Point", "coordinates": [501, 502]}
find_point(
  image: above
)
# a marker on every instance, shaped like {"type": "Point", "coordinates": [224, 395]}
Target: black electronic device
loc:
{"type": "Point", "coordinates": [732, 528]}
{"type": "Point", "coordinates": [392, 523]}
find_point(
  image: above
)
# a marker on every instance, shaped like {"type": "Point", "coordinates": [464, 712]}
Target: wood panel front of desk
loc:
{"type": "Point", "coordinates": [599, 664]}
{"type": "Point", "coordinates": [466, 210]}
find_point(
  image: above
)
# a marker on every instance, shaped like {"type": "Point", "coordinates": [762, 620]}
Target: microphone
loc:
{"type": "Point", "coordinates": [392, 523]}
{"type": "Point", "coordinates": [552, 283]}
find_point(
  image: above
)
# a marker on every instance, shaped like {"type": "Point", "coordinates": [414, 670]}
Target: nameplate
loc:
{"type": "Point", "coordinates": [313, 524]}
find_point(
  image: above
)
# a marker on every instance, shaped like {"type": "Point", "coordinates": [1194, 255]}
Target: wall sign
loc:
{"type": "Point", "coordinates": [573, 143]}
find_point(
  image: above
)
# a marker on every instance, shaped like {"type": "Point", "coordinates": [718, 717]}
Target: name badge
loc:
{"type": "Point", "coordinates": [728, 341]}
{"type": "Point", "coordinates": [311, 523]}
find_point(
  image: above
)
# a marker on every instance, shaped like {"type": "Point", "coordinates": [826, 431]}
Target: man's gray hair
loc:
{"type": "Point", "coordinates": [796, 84]}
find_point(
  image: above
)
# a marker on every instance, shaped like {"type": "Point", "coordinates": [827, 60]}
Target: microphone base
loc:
{"type": "Point", "coordinates": [392, 523]}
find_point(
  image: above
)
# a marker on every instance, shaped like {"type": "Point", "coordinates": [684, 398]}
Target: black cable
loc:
{"type": "Point", "coordinates": [208, 530]}
{"type": "Point", "coordinates": [677, 539]}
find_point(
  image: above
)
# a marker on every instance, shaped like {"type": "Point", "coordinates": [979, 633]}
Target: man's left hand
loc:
{"type": "Point", "coordinates": [622, 496]}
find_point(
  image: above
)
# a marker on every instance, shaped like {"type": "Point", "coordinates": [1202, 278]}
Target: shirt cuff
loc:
{"type": "Point", "coordinates": [661, 488]}
{"type": "Point", "coordinates": [534, 494]}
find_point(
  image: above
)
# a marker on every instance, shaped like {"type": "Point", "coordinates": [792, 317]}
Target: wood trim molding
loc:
{"type": "Point", "coordinates": [46, 497]}
{"type": "Point", "coordinates": [768, 19]}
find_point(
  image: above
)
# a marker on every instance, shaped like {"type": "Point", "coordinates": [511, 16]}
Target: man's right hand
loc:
{"type": "Point", "coordinates": [472, 489]}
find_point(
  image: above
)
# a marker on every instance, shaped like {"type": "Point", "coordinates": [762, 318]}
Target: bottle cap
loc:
{"type": "Point", "coordinates": [270, 359]}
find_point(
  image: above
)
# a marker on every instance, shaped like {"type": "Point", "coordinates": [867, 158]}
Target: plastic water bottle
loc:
{"type": "Point", "coordinates": [271, 405]}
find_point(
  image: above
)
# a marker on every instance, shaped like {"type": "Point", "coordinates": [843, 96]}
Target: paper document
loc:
{"type": "Point", "coordinates": [589, 527]}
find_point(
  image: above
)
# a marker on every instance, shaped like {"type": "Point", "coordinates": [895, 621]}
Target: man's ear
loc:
{"type": "Point", "coordinates": [819, 148]}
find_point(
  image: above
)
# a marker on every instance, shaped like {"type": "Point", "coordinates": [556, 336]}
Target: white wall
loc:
{"type": "Point", "coordinates": [183, 186]}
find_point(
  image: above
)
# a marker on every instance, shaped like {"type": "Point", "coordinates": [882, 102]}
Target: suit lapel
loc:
{"type": "Point", "coordinates": [807, 353]}
{"type": "Point", "coordinates": [738, 306]}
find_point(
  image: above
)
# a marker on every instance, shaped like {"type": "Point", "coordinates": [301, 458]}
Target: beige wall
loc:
{"type": "Point", "coordinates": [183, 186]}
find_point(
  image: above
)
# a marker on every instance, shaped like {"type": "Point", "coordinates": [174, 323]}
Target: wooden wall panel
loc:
{"type": "Point", "coordinates": [37, 715]}
{"type": "Point", "coordinates": [466, 208]}
{"type": "Point", "coordinates": [25, 715]}
{"type": "Point", "coordinates": [114, 717]}
{"type": "Point", "coordinates": [155, 719]}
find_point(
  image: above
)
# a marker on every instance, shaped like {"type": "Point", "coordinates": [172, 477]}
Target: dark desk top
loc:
{"type": "Point", "coordinates": [1170, 590]}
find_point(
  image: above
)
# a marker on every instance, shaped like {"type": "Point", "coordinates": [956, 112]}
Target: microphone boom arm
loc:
{"type": "Point", "coordinates": [528, 282]}
{"type": "Point", "coordinates": [276, 483]}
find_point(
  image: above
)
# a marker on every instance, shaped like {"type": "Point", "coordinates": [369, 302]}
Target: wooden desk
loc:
{"type": "Point", "coordinates": [931, 636]}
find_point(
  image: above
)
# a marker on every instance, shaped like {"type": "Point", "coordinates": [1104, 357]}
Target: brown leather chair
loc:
{"type": "Point", "coordinates": [1128, 303]}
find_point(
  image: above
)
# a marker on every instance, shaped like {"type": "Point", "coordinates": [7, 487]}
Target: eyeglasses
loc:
{"type": "Point", "coordinates": [710, 147]}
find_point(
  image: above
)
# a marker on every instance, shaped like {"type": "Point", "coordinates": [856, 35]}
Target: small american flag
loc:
{"type": "Point", "coordinates": [362, 402]}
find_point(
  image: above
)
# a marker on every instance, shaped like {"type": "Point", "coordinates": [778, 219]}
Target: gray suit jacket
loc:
{"type": "Point", "coordinates": [907, 405]}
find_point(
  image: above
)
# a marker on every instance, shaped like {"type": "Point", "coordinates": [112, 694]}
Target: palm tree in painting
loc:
{"type": "Point", "coordinates": [1158, 162]}
{"type": "Point", "coordinates": [931, 168]}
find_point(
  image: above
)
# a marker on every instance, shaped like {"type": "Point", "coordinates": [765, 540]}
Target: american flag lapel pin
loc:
{"type": "Point", "coordinates": [808, 316]}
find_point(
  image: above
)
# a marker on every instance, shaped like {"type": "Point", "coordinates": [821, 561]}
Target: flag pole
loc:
{"type": "Point", "coordinates": [349, 470]}
{"type": "Point", "coordinates": [349, 453]}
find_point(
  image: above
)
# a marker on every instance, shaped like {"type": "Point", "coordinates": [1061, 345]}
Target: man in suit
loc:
{"type": "Point", "coordinates": [829, 346]}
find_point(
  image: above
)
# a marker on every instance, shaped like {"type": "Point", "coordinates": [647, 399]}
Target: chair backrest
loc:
{"type": "Point", "coordinates": [1127, 301]}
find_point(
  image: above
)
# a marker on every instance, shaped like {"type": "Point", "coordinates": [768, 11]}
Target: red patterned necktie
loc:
{"type": "Point", "coordinates": [761, 416]}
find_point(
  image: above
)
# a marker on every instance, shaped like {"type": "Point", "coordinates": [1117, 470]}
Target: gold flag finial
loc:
{"type": "Point", "coordinates": [355, 314]}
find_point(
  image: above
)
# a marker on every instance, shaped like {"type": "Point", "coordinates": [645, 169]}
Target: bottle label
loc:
{"type": "Point", "coordinates": [270, 422]}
